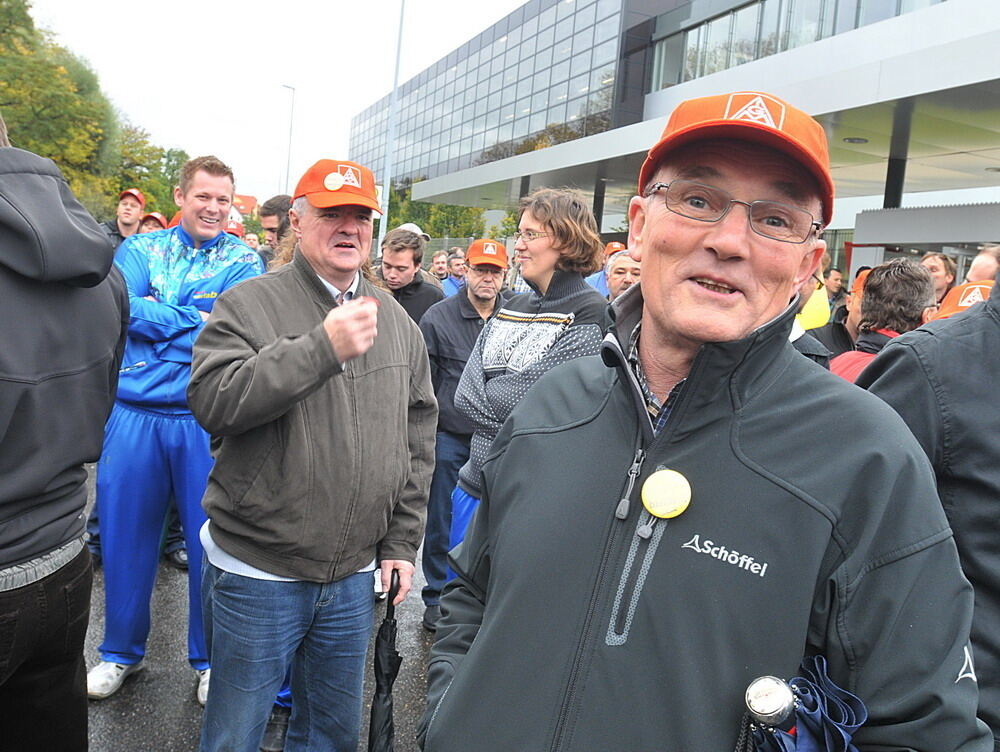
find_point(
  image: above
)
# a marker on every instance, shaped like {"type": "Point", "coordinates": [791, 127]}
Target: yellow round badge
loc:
{"type": "Point", "coordinates": [666, 494]}
{"type": "Point", "coordinates": [334, 181]}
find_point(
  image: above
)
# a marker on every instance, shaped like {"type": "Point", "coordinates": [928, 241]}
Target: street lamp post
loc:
{"type": "Point", "coordinates": [291, 120]}
{"type": "Point", "coordinates": [390, 142]}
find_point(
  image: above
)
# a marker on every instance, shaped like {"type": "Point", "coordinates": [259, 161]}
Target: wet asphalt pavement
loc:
{"type": "Point", "coordinates": [156, 708]}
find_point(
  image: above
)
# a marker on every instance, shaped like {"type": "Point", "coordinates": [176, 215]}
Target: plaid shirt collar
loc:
{"type": "Point", "coordinates": [658, 412]}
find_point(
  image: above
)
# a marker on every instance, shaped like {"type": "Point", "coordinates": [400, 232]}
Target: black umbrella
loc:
{"type": "Point", "coordinates": [387, 662]}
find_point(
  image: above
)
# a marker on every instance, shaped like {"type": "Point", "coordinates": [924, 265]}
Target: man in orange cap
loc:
{"type": "Point", "coordinates": [450, 329]}
{"type": "Point", "coordinates": [131, 202]}
{"type": "Point", "coordinates": [599, 279]}
{"type": "Point", "coordinates": [698, 537]}
{"type": "Point", "coordinates": [316, 386]}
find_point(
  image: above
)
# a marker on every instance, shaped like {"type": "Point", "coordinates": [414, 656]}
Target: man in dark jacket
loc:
{"type": "Point", "coordinates": [675, 496]}
{"type": "Point", "coordinates": [65, 311]}
{"type": "Point", "coordinates": [940, 379]}
{"type": "Point", "coordinates": [128, 215]}
{"type": "Point", "coordinates": [402, 254]}
{"type": "Point", "coordinates": [450, 329]}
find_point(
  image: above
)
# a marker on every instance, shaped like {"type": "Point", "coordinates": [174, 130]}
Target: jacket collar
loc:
{"type": "Point", "coordinates": [206, 245]}
{"type": "Point", "coordinates": [315, 285]}
{"type": "Point", "coordinates": [410, 288]}
{"type": "Point", "coordinates": [724, 376]}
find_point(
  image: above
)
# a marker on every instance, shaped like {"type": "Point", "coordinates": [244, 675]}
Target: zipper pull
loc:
{"type": "Point", "coordinates": [645, 530]}
{"type": "Point", "coordinates": [621, 511]}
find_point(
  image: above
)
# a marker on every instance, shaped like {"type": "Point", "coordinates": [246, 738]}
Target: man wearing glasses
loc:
{"type": "Point", "coordinates": [676, 536]}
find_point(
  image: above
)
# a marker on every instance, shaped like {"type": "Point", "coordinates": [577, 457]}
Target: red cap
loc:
{"type": "Point", "coordinates": [748, 116]}
{"type": "Point", "coordinates": [333, 183]}
{"type": "Point", "coordinates": [486, 251]}
{"type": "Point", "coordinates": [962, 297]}
{"type": "Point", "coordinates": [134, 193]}
{"type": "Point", "coordinates": [613, 247]}
{"type": "Point", "coordinates": [234, 228]}
{"type": "Point", "coordinates": [157, 216]}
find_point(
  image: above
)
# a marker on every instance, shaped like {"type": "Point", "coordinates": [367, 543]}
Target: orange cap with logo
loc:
{"type": "Point", "coordinates": [235, 228]}
{"type": "Point", "coordinates": [613, 247]}
{"type": "Point", "coordinates": [331, 182]}
{"type": "Point", "coordinates": [157, 216]}
{"type": "Point", "coordinates": [962, 297]}
{"type": "Point", "coordinates": [748, 116]}
{"type": "Point", "coordinates": [486, 251]}
{"type": "Point", "coordinates": [858, 288]}
{"type": "Point", "coordinates": [134, 193]}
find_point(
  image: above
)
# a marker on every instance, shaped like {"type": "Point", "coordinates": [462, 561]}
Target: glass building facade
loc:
{"type": "Point", "coordinates": [687, 47]}
{"type": "Point", "coordinates": [543, 75]}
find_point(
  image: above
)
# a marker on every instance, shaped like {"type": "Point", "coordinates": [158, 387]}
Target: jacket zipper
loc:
{"type": "Point", "coordinates": [621, 512]}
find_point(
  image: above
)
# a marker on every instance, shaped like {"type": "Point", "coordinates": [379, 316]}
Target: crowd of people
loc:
{"type": "Point", "coordinates": [606, 452]}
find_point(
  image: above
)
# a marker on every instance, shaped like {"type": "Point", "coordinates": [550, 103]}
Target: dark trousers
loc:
{"type": "Point", "coordinates": [43, 677]}
{"type": "Point", "coordinates": [450, 453]}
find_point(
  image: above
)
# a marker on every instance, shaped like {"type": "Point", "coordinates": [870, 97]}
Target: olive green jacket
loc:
{"type": "Point", "coordinates": [320, 466]}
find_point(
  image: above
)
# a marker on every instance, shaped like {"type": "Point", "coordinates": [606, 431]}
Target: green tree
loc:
{"type": "Point", "coordinates": [454, 222]}
{"type": "Point", "coordinates": [507, 226]}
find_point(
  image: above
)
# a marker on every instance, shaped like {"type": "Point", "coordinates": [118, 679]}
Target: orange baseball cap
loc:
{"type": "Point", "coordinates": [157, 216]}
{"type": "Point", "coordinates": [613, 247]}
{"type": "Point", "coordinates": [859, 282]}
{"type": "Point", "coordinates": [330, 182]}
{"type": "Point", "coordinates": [748, 116]}
{"type": "Point", "coordinates": [134, 193]}
{"type": "Point", "coordinates": [963, 297]}
{"type": "Point", "coordinates": [486, 251]}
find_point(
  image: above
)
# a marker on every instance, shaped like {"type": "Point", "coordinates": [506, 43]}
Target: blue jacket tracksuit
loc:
{"type": "Point", "coordinates": [154, 449]}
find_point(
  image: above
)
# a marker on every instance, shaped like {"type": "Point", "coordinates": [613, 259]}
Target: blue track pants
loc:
{"type": "Point", "coordinates": [147, 457]}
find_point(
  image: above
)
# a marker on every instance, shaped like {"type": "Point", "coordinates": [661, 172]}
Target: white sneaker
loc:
{"type": "Point", "coordinates": [204, 676]}
{"type": "Point", "coordinates": [106, 678]}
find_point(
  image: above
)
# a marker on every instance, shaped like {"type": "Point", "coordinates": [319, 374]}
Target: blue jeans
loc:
{"type": "Point", "coordinates": [256, 630]}
{"type": "Point", "coordinates": [450, 452]}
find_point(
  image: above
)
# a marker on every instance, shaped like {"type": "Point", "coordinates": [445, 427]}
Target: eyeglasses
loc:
{"type": "Point", "coordinates": [529, 235]}
{"type": "Point", "coordinates": [705, 203]}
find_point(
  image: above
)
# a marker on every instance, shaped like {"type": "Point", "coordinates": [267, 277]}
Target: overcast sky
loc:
{"type": "Point", "coordinates": [207, 77]}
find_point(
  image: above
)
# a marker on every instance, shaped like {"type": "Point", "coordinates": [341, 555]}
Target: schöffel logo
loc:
{"type": "Point", "coordinates": [723, 554]}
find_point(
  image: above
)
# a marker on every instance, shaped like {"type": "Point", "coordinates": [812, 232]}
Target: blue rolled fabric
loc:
{"type": "Point", "coordinates": [826, 715]}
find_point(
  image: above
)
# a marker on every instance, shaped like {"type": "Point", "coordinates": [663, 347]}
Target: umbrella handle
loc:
{"type": "Point", "coordinates": [390, 609]}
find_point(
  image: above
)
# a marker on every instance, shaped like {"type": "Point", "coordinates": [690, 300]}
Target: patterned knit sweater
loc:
{"type": "Point", "coordinates": [531, 334]}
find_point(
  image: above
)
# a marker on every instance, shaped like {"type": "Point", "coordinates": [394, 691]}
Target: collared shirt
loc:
{"type": "Point", "coordinates": [658, 411]}
{"type": "Point", "coordinates": [349, 293]}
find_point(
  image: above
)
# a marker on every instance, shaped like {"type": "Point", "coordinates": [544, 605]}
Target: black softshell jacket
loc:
{"type": "Point", "coordinates": [568, 628]}
{"type": "Point", "coordinates": [941, 379]}
{"type": "Point", "coordinates": [64, 314]}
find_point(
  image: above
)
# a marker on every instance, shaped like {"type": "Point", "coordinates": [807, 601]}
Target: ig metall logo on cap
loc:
{"type": "Point", "coordinates": [489, 249]}
{"type": "Point", "coordinates": [756, 108]}
{"type": "Point", "coordinates": [345, 175]}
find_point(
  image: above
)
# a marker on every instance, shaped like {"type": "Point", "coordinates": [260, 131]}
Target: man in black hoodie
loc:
{"type": "Point", "coordinates": [65, 313]}
{"type": "Point", "coordinates": [402, 254]}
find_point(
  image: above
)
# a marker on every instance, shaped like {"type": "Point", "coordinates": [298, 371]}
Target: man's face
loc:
{"type": "Point", "coordinates": [335, 241]}
{"type": "Point", "coordinates": [457, 267]}
{"type": "Point", "coordinates": [718, 281]}
{"type": "Point", "coordinates": [398, 267]}
{"type": "Point", "coordinates": [129, 211]}
{"type": "Point", "coordinates": [206, 204]}
{"type": "Point", "coordinates": [483, 282]}
{"type": "Point", "coordinates": [983, 269]}
{"type": "Point", "coordinates": [269, 224]}
{"type": "Point", "coordinates": [623, 274]}
{"type": "Point", "coordinates": [439, 266]}
{"type": "Point", "coordinates": [252, 241]}
{"type": "Point", "coordinates": [834, 282]}
{"type": "Point", "coordinates": [939, 273]}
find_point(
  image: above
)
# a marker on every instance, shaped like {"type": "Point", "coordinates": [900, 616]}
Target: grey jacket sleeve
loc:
{"type": "Point", "coordinates": [896, 616]}
{"type": "Point", "coordinates": [406, 527]}
{"type": "Point", "coordinates": [237, 384]}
